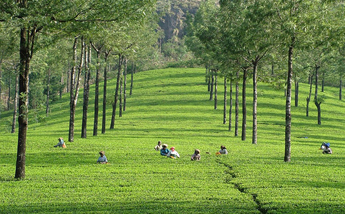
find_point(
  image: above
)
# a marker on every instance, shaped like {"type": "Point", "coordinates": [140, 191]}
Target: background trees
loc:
{"type": "Point", "coordinates": [252, 29]}
{"type": "Point", "coordinates": [33, 17]}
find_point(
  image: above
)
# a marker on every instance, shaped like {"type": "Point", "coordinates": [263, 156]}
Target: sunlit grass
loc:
{"type": "Point", "coordinates": [172, 105]}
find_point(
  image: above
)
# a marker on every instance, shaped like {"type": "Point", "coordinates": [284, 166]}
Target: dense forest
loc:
{"type": "Point", "coordinates": [55, 47]}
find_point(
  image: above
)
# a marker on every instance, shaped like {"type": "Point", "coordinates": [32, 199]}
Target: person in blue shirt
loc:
{"type": "Point", "coordinates": [102, 159]}
{"type": "Point", "coordinates": [164, 150]}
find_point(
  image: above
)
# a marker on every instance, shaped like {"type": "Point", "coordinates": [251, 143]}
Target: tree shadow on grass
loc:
{"type": "Point", "coordinates": [135, 206]}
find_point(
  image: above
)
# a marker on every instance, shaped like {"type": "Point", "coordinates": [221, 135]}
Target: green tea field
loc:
{"type": "Point", "coordinates": [172, 105]}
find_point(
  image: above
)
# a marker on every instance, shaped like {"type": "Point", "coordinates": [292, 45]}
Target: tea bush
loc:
{"type": "Point", "coordinates": [172, 105]}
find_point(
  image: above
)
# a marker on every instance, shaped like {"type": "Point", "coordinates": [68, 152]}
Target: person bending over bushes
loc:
{"type": "Point", "coordinates": [222, 151]}
{"type": "Point", "coordinates": [173, 153]}
{"type": "Point", "coordinates": [196, 156]}
{"type": "Point", "coordinates": [102, 159]}
{"type": "Point", "coordinates": [158, 147]}
{"type": "Point", "coordinates": [164, 150]}
{"type": "Point", "coordinates": [326, 148]}
{"type": "Point", "coordinates": [61, 143]}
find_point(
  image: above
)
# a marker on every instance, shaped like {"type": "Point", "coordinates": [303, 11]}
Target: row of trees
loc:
{"type": "Point", "coordinates": [56, 41]}
{"type": "Point", "coordinates": [266, 40]}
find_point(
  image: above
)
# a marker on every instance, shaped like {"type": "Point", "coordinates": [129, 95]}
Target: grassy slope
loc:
{"type": "Point", "coordinates": [172, 105]}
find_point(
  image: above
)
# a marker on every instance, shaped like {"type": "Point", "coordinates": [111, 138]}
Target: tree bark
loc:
{"type": "Point", "coordinates": [340, 88]}
{"type": "Point", "coordinates": [323, 82]}
{"type": "Point", "coordinates": [48, 88]}
{"type": "Point", "coordinates": [9, 91]}
{"type": "Point", "coordinates": [244, 105]}
{"type": "Point", "coordinates": [125, 85]}
{"type": "Point", "coordinates": [208, 79]}
{"type": "Point", "coordinates": [316, 101]}
{"type": "Point", "coordinates": [215, 89]}
{"type": "Point", "coordinates": [296, 91]}
{"type": "Point", "coordinates": [255, 101]}
{"type": "Point", "coordinates": [112, 124]}
{"type": "Point", "coordinates": [132, 79]}
{"type": "Point", "coordinates": [0, 82]}
{"type": "Point", "coordinates": [27, 40]}
{"type": "Point", "coordinates": [237, 105]}
{"type": "Point", "coordinates": [225, 100]}
{"type": "Point", "coordinates": [86, 90]}
{"type": "Point", "coordinates": [74, 87]}
{"type": "Point", "coordinates": [287, 155]}
{"type": "Point", "coordinates": [95, 118]}
{"type": "Point", "coordinates": [309, 96]}
{"type": "Point", "coordinates": [120, 95]}
{"type": "Point", "coordinates": [105, 76]}
{"type": "Point", "coordinates": [211, 85]}
{"type": "Point", "coordinates": [230, 106]}
{"type": "Point", "coordinates": [15, 105]}
{"type": "Point", "coordinates": [68, 78]}
{"type": "Point", "coordinates": [61, 85]}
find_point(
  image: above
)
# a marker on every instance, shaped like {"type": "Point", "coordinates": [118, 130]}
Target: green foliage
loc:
{"type": "Point", "coordinates": [172, 105]}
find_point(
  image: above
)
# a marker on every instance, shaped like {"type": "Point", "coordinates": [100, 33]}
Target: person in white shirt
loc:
{"type": "Point", "coordinates": [223, 150]}
{"type": "Point", "coordinates": [173, 153]}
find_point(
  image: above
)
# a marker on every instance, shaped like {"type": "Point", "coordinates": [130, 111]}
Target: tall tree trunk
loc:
{"type": "Point", "coordinates": [68, 77]}
{"type": "Point", "coordinates": [0, 82]}
{"type": "Point", "coordinates": [95, 118]}
{"type": "Point", "coordinates": [211, 85]}
{"type": "Point", "coordinates": [61, 85]}
{"type": "Point", "coordinates": [125, 85]}
{"type": "Point", "coordinates": [237, 104]}
{"type": "Point", "coordinates": [244, 105]}
{"type": "Point", "coordinates": [112, 124]}
{"type": "Point", "coordinates": [48, 89]}
{"type": "Point", "coordinates": [208, 79]}
{"type": "Point", "coordinates": [316, 100]}
{"type": "Point", "coordinates": [340, 88]}
{"type": "Point", "coordinates": [309, 96]}
{"type": "Point", "coordinates": [105, 76]}
{"type": "Point", "coordinates": [287, 155]}
{"type": "Point", "coordinates": [15, 106]}
{"type": "Point", "coordinates": [86, 90]}
{"type": "Point", "coordinates": [74, 87]}
{"type": "Point", "coordinates": [215, 89]}
{"type": "Point", "coordinates": [255, 101]}
{"type": "Point", "coordinates": [132, 79]}
{"type": "Point", "coordinates": [9, 91]}
{"type": "Point", "coordinates": [27, 41]}
{"type": "Point", "coordinates": [206, 75]}
{"type": "Point", "coordinates": [230, 106]}
{"type": "Point", "coordinates": [120, 96]}
{"type": "Point", "coordinates": [323, 82]}
{"type": "Point", "coordinates": [225, 101]}
{"type": "Point", "coordinates": [296, 91]}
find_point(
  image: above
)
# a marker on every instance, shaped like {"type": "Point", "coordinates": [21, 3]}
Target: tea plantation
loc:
{"type": "Point", "coordinates": [172, 105]}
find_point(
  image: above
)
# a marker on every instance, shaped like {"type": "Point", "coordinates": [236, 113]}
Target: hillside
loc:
{"type": "Point", "coordinates": [172, 105]}
{"type": "Point", "coordinates": [175, 12]}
